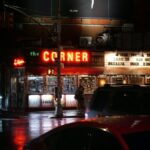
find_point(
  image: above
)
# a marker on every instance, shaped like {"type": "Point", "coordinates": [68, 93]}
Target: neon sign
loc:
{"type": "Point", "coordinates": [66, 56]}
{"type": "Point", "coordinates": [18, 62]}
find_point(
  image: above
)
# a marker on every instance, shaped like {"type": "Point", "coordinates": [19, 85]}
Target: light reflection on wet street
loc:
{"type": "Point", "coordinates": [15, 132]}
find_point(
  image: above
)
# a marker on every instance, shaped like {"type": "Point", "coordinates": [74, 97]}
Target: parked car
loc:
{"type": "Point", "coordinates": [101, 133]}
{"type": "Point", "coordinates": [120, 100]}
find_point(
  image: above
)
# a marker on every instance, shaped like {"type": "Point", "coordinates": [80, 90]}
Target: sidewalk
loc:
{"type": "Point", "coordinates": [66, 113]}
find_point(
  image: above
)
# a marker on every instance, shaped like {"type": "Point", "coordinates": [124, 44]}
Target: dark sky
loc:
{"type": "Point", "coordinates": [77, 8]}
{"type": "Point", "coordinates": [100, 8]}
{"type": "Point", "coordinates": [34, 7]}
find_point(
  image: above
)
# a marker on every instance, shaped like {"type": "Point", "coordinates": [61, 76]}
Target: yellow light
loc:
{"type": "Point", "coordinates": [102, 82]}
{"type": "Point", "coordinates": [124, 81]}
{"type": "Point", "coordinates": [50, 72]}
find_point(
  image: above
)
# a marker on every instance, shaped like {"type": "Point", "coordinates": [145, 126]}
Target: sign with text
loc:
{"type": "Point", "coordinates": [69, 57]}
{"type": "Point", "coordinates": [127, 59]}
{"type": "Point", "coordinates": [65, 56]}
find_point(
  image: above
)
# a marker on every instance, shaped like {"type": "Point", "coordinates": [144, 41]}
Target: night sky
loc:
{"type": "Point", "coordinates": [136, 11]}
{"type": "Point", "coordinates": [97, 8]}
{"type": "Point", "coordinates": [77, 8]}
{"type": "Point", "coordinates": [34, 7]}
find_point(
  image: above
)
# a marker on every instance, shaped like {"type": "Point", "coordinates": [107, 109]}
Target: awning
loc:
{"type": "Point", "coordinates": [125, 70]}
{"type": "Point", "coordinates": [66, 70]}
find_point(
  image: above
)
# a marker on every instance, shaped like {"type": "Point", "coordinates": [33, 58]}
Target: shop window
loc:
{"type": "Point", "coordinates": [35, 84]}
{"type": "Point", "coordinates": [52, 83]}
{"type": "Point", "coordinates": [147, 80]}
{"type": "Point", "coordinates": [89, 84]}
{"type": "Point", "coordinates": [69, 85]}
{"type": "Point", "coordinates": [136, 80]}
{"type": "Point", "coordinates": [117, 80]}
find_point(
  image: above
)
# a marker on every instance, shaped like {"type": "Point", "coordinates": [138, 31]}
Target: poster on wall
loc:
{"type": "Point", "coordinates": [89, 84]}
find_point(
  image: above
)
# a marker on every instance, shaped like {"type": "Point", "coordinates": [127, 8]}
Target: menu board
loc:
{"type": "Point", "coordinates": [127, 59]}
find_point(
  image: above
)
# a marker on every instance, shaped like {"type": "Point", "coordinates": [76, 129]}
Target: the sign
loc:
{"type": "Point", "coordinates": [34, 54]}
{"type": "Point", "coordinates": [65, 56]}
{"type": "Point", "coordinates": [69, 57]}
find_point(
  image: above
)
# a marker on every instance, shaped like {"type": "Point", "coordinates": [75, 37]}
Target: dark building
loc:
{"type": "Point", "coordinates": [95, 26]}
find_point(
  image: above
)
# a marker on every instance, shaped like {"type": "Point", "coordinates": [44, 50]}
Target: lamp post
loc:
{"type": "Point", "coordinates": [58, 107]}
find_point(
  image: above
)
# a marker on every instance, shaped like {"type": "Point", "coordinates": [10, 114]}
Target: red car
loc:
{"type": "Point", "coordinates": [101, 133]}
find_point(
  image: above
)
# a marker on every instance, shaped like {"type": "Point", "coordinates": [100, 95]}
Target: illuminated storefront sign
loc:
{"type": "Point", "coordinates": [66, 56]}
{"type": "Point", "coordinates": [127, 59]}
{"type": "Point", "coordinates": [19, 62]}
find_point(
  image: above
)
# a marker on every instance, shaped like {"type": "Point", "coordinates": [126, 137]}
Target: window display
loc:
{"type": "Point", "coordinates": [51, 84]}
{"type": "Point", "coordinates": [35, 84]}
{"type": "Point", "coordinates": [34, 101]}
{"type": "Point", "coordinates": [147, 80]}
{"type": "Point", "coordinates": [47, 100]}
{"type": "Point", "coordinates": [41, 89]}
{"type": "Point", "coordinates": [69, 84]}
{"type": "Point", "coordinates": [89, 84]}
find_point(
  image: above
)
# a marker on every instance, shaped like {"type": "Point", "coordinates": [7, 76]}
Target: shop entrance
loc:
{"type": "Point", "coordinates": [17, 96]}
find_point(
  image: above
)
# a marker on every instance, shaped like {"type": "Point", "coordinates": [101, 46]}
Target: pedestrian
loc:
{"type": "Point", "coordinates": [79, 96]}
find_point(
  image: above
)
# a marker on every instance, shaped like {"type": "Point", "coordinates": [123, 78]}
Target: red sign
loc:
{"type": "Point", "coordinates": [66, 56]}
{"type": "Point", "coordinates": [19, 62]}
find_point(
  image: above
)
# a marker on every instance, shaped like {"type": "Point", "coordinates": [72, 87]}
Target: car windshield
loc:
{"type": "Point", "coordinates": [121, 100]}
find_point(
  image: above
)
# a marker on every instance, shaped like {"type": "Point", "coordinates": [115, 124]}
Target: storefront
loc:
{"type": "Point", "coordinates": [40, 77]}
{"type": "Point", "coordinates": [127, 67]}
{"type": "Point", "coordinates": [34, 85]}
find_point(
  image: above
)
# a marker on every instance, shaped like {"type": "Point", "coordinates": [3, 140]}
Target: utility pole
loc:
{"type": "Point", "coordinates": [58, 107]}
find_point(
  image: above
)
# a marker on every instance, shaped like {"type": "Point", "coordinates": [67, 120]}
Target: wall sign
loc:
{"type": "Point", "coordinates": [71, 57]}
{"type": "Point", "coordinates": [65, 56]}
{"type": "Point", "coordinates": [127, 59]}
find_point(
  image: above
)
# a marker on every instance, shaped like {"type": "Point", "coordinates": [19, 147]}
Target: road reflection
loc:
{"type": "Point", "coordinates": [16, 132]}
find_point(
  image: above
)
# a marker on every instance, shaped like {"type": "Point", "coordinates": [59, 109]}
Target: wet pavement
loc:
{"type": "Point", "coordinates": [19, 128]}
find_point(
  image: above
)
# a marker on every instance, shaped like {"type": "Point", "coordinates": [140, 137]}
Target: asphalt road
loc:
{"type": "Point", "coordinates": [16, 129]}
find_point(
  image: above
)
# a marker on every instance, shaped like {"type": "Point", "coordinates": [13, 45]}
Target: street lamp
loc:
{"type": "Point", "coordinates": [58, 107]}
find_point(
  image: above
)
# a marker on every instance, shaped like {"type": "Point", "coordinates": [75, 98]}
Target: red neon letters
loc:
{"type": "Point", "coordinates": [66, 56]}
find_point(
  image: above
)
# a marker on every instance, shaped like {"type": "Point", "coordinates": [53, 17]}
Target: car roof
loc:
{"type": "Point", "coordinates": [124, 98]}
{"type": "Point", "coordinates": [118, 124]}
